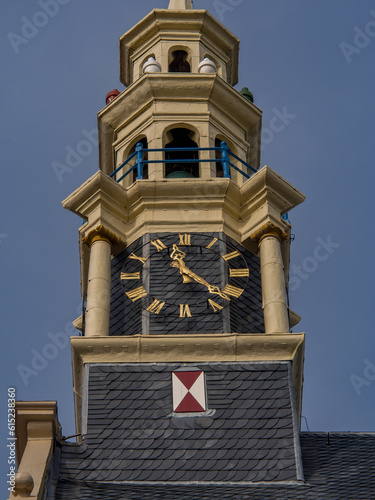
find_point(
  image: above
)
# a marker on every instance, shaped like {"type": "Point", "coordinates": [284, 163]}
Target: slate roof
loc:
{"type": "Point", "coordinates": [133, 436]}
{"type": "Point", "coordinates": [337, 466]}
{"type": "Point", "coordinates": [136, 448]}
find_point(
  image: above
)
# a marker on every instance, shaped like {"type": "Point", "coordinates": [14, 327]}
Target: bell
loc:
{"type": "Point", "coordinates": [180, 174]}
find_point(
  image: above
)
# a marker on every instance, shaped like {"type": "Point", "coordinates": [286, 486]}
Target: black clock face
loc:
{"type": "Point", "coordinates": [184, 275]}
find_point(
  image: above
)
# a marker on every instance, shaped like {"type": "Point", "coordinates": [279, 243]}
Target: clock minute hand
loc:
{"type": "Point", "coordinates": [216, 290]}
{"type": "Point", "coordinates": [211, 288]}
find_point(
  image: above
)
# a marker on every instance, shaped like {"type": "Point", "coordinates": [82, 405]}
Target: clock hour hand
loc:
{"type": "Point", "coordinates": [178, 257]}
{"type": "Point", "coordinates": [189, 276]}
{"type": "Point", "coordinates": [178, 254]}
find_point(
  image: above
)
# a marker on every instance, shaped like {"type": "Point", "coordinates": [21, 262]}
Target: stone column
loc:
{"type": "Point", "coordinates": [274, 296]}
{"type": "Point", "coordinates": [98, 306]}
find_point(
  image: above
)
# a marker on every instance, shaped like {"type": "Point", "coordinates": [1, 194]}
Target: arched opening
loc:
{"type": "Point", "coordinates": [181, 138]}
{"type": "Point", "coordinates": [133, 174]}
{"type": "Point", "coordinates": [179, 63]}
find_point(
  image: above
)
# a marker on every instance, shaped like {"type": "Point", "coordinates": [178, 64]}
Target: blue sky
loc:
{"type": "Point", "coordinates": [311, 61]}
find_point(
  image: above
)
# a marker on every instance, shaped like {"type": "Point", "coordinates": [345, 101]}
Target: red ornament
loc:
{"type": "Point", "coordinates": [111, 96]}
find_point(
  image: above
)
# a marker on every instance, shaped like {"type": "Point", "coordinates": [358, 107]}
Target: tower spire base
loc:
{"type": "Point", "coordinates": [180, 4]}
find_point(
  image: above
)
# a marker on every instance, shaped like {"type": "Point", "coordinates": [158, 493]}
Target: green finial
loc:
{"type": "Point", "coordinates": [247, 94]}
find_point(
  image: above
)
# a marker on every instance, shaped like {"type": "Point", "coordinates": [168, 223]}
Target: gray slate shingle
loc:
{"type": "Point", "coordinates": [236, 443]}
{"type": "Point", "coordinates": [337, 466]}
{"type": "Point", "coordinates": [132, 439]}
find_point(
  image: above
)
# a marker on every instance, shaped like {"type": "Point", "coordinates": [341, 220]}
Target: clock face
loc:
{"type": "Point", "coordinates": [184, 275]}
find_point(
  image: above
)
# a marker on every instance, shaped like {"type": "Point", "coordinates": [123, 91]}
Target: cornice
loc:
{"type": "Point", "coordinates": [37, 430]}
{"type": "Point", "coordinates": [189, 205]}
{"type": "Point", "coordinates": [210, 90]}
{"type": "Point", "coordinates": [171, 23]}
{"type": "Point", "coordinates": [210, 348]}
{"type": "Point", "coordinates": [34, 411]}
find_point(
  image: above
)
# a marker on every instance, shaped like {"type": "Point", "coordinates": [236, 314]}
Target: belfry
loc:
{"type": "Point", "coordinates": [187, 375]}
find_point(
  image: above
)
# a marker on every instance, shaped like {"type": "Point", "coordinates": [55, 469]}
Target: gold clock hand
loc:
{"type": "Point", "coordinates": [216, 290]}
{"type": "Point", "coordinates": [184, 271]}
{"type": "Point", "coordinates": [178, 261]}
{"type": "Point", "coordinates": [198, 279]}
{"type": "Point", "coordinates": [178, 254]}
{"type": "Point", "coordinates": [189, 275]}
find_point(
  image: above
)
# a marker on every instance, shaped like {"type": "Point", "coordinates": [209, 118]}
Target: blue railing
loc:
{"type": "Point", "coordinates": [140, 161]}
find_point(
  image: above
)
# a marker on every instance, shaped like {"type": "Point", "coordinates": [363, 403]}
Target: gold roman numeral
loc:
{"type": "Point", "coordinates": [155, 307]}
{"type": "Point", "coordinates": [238, 273]}
{"type": "Point", "coordinates": [216, 307]}
{"type": "Point", "coordinates": [185, 239]}
{"type": "Point", "coordinates": [159, 245]}
{"type": "Point", "coordinates": [137, 293]}
{"type": "Point", "coordinates": [231, 255]}
{"type": "Point", "coordinates": [135, 257]}
{"type": "Point", "coordinates": [185, 311]}
{"type": "Point", "coordinates": [212, 243]}
{"type": "Point", "coordinates": [233, 291]}
{"type": "Point", "coordinates": [131, 276]}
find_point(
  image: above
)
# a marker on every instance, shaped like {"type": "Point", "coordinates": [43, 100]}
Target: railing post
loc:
{"type": "Point", "coordinates": [225, 159]}
{"type": "Point", "coordinates": [139, 160]}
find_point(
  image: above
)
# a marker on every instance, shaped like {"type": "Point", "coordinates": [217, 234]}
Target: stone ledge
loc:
{"type": "Point", "coordinates": [231, 347]}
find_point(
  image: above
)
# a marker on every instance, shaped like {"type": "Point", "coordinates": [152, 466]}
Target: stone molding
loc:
{"type": "Point", "coordinates": [269, 229]}
{"type": "Point", "coordinates": [154, 101]}
{"type": "Point", "coordinates": [175, 205]}
{"type": "Point", "coordinates": [101, 233]}
{"type": "Point", "coordinates": [199, 348]}
{"type": "Point", "coordinates": [37, 428]}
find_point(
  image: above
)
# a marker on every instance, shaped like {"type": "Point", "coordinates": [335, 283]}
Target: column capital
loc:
{"type": "Point", "coordinates": [101, 233]}
{"type": "Point", "coordinates": [269, 229]}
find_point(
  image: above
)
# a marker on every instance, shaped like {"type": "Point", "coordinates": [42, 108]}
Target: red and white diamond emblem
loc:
{"type": "Point", "coordinates": [189, 392]}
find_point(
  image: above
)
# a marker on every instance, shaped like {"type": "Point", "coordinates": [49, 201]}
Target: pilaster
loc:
{"type": "Point", "coordinates": [274, 296]}
{"type": "Point", "coordinates": [37, 428]}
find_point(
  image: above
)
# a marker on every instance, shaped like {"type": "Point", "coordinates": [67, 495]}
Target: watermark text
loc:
{"type": "Point", "coordinates": [75, 155]}
{"type": "Point", "coordinates": [223, 6]}
{"type": "Point", "coordinates": [11, 445]}
{"type": "Point", "coordinates": [310, 264]}
{"type": "Point", "coordinates": [362, 38]}
{"type": "Point", "coordinates": [368, 376]}
{"type": "Point", "coordinates": [30, 27]}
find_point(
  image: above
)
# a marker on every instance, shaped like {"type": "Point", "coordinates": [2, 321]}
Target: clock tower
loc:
{"type": "Point", "coordinates": [185, 252]}
{"type": "Point", "coordinates": [186, 372]}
